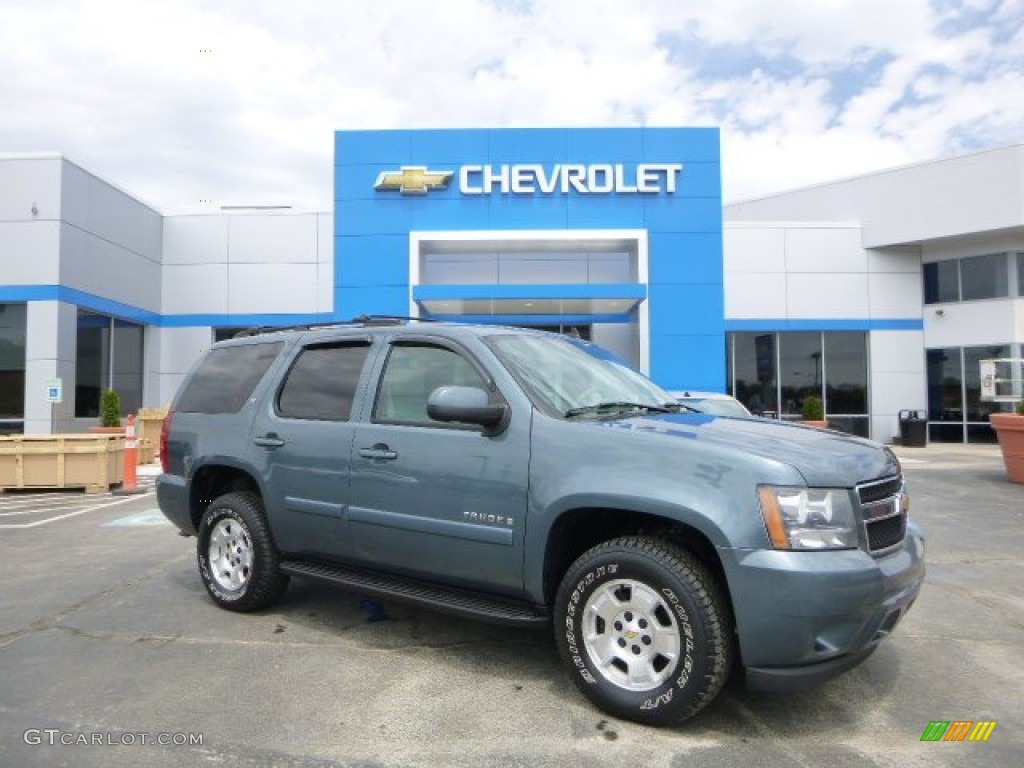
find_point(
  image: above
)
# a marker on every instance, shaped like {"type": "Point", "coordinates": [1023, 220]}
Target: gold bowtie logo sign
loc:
{"type": "Point", "coordinates": [413, 180]}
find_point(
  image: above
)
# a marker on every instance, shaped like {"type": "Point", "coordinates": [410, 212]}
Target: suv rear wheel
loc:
{"type": "Point", "coordinates": [237, 558]}
{"type": "Point", "coordinates": [645, 630]}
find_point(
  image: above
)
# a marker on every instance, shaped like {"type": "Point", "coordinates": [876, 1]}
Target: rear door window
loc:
{"type": "Point", "coordinates": [322, 382]}
{"type": "Point", "coordinates": [227, 378]}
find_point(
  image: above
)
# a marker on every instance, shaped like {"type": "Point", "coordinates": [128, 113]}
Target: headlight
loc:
{"type": "Point", "coordinates": [808, 518]}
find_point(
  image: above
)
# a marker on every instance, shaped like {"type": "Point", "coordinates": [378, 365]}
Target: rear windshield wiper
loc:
{"type": "Point", "coordinates": [615, 406]}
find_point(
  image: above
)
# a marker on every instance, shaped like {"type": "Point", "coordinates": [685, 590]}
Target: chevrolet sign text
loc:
{"type": "Point", "coordinates": [596, 178]}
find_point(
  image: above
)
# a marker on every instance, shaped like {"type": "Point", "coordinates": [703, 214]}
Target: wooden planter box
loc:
{"type": "Point", "coordinates": [92, 462]}
{"type": "Point", "coordinates": [148, 424]}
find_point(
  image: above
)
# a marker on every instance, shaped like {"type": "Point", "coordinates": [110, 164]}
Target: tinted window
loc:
{"type": "Point", "coordinates": [322, 383]}
{"type": "Point", "coordinates": [984, 277]}
{"type": "Point", "coordinates": [754, 370]}
{"type": "Point", "coordinates": [846, 372]}
{"type": "Point", "coordinates": [941, 282]}
{"type": "Point", "coordinates": [414, 371]}
{"type": "Point", "coordinates": [226, 378]}
{"type": "Point", "coordinates": [1020, 274]}
{"type": "Point", "coordinates": [800, 371]}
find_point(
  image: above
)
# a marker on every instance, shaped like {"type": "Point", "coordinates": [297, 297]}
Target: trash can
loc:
{"type": "Point", "coordinates": [913, 429]}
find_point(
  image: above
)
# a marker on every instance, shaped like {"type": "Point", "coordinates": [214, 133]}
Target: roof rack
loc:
{"type": "Point", "coordinates": [364, 321]}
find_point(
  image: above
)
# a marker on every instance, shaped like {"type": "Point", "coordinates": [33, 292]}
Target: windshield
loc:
{"type": "Point", "coordinates": [564, 380]}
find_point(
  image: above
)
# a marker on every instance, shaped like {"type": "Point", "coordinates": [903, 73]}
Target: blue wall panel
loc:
{"type": "Point", "coordinates": [684, 229]}
{"type": "Point", "coordinates": [690, 361]}
{"type": "Point", "coordinates": [686, 308]}
{"type": "Point", "coordinates": [685, 257]}
{"type": "Point", "coordinates": [375, 300]}
{"type": "Point", "coordinates": [372, 260]}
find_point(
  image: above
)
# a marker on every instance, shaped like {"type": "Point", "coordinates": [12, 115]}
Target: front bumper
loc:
{"type": "Point", "coordinates": [805, 617]}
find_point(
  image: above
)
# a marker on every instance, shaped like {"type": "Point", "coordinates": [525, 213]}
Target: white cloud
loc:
{"type": "Point", "coordinates": [804, 92]}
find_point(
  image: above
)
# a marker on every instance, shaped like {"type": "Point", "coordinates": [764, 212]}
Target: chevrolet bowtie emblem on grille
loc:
{"type": "Point", "coordinates": [413, 180]}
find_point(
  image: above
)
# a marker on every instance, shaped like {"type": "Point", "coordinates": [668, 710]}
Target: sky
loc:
{"type": "Point", "coordinates": [190, 105]}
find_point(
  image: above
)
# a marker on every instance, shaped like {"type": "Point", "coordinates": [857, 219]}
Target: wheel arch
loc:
{"type": "Point", "coordinates": [212, 480]}
{"type": "Point", "coordinates": [579, 529]}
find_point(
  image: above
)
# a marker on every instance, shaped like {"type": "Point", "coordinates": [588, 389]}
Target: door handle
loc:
{"type": "Point", "coordinates": [379, 451]}
{"type": "Point", "coordinates": [269, 441]}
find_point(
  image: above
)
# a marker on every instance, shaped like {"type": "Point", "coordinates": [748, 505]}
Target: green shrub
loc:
{"type": "Point", "coordinates": [812, 409]}
{"type": "Point", "coordinates": [1020, 408]}
{"type": "Point", "coordinates": [110, 409]}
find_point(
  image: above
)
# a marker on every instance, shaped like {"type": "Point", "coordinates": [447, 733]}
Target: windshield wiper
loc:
{"type": "Point", "coordinates": [614, 406]}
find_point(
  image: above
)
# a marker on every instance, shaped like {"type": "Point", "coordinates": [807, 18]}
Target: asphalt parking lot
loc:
{"type": "Point", "coordinates": [107, 637]}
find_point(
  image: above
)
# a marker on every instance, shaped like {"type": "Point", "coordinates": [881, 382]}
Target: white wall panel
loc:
{"type": "Point", "coordinates": [973, 193]}
{"type": "Point", "coordinates": [325, 288]}
{"type": "Point", "coordinates": [180, 348]}
{"type": "Point", "coordinates": [325, 238]}
{"type": "Point", "coordinates": [272, 239]}
{"type": "Point", "coordinates": [29, 181]}
{"type": "Point", "coordinates": [830, 249]}
{"type": "Point", "coordinates": [102, 209]}
{"type": "Point", "coordinates": [169, 385]}
{"type": "Point", "coordinates": [190, 289]}
{"type": "Point", "coordinates": [895, 295]}
{"type": "Point", "coordinates": [897, 379]}
{"type": "Point", "coordinates": [969, 324]}
{"type": "Point", "coordinates": [836, 296]}
{"type": "Point", "coordinates": [49, 354]}
{"type": "Point", "coordinates": [754, 249]}
{"type": "Point", "coordinates": [29, 253]}
{"type": "Point", "coordinates": [90, 263]}
{"type": "Point", "coordinates": [751, 296]}
{"type": "Point", "coordinates": [895, 259]}
{"type": "Point", "coordinates": [195, 240]}
{"type": "Point", "coordinates": [272, 288]}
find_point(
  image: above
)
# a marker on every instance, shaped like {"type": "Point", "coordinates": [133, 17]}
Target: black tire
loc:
{"type": "Point", "coordinates": [238, 561]}
{"type": "Point", "coordinates": [654, 596]}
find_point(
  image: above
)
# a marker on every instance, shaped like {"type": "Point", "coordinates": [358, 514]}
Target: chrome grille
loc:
{"type": "Point", "coordinates": [885, 523]}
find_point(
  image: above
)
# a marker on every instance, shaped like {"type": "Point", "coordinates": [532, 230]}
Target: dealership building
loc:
{"type": "Point", "coordinates": [878, 294]}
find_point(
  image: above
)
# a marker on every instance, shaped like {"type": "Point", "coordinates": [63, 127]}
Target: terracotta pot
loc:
{"type": "Point", "coordinates": [823, 424]}
{"type": "Point", "coordinates": [1009, 429]}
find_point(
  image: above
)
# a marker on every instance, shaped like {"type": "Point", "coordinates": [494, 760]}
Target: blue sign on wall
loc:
{"type": "Point", "coordinates": [665, 181]}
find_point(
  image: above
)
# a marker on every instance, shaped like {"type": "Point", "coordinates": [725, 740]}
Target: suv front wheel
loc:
{"type": "Point", "coordinates": [644, 629]}
{"type": "Point", "coordinates": [237, 558]}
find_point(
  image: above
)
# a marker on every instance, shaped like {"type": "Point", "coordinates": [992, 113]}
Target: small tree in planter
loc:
{"type": "Point", "coordinates": [813, 412]}
{"type": "Point", "coordinates": [110, 409]}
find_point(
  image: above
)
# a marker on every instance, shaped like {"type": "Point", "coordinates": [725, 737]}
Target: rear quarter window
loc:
{"type": "Point", "coordinates": [226, 378]}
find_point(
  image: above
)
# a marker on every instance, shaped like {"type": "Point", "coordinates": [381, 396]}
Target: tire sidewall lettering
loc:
{"type": "Point", "coordinates": [209, 520]}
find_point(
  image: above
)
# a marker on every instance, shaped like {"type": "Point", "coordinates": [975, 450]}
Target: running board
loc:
{"type": "Point", "coordinates": [448, 599]}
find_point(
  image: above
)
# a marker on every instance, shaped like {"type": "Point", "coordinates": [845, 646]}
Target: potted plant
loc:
{"type": "Point", "coordinates": [813, 412]}
{"type": "Point", "coordinates": [1009, 429]}
{"type": "Point", "coordinates": [110, 414]}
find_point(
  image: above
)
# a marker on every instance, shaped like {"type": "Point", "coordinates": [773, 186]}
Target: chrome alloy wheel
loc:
{"type": "Point", "coordinates": [230, 554]}
{"type": "Point", "coordinates": [631, 635]}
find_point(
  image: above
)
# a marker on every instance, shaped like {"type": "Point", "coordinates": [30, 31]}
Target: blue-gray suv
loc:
{"type": "Point", "coordinates": [512, 476]}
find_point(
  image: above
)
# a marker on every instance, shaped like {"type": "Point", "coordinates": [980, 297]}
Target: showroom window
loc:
{"type": "Point", "coordinates": [956, 412]}
{"type": "Point", "coordinates": [773, 373]}
{"type": "Point", "coordinates": [12, 368]}
{"type": "Point", "coordinates": [108, 355]}
{"type": "Point", "coordinates": [967, 279]}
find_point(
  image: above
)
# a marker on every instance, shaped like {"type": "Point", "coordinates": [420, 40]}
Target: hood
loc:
{"type": "Point", "coordinates": [823, 457]}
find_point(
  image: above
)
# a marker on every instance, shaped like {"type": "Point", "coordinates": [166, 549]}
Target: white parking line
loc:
{"type": "Point", "coordinates": [70, 514]}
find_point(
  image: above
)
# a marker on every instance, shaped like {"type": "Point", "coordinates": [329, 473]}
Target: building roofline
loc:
{"type": "Point", "coordinates": [872, 174]}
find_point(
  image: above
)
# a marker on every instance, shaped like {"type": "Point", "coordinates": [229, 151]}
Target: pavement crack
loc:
{"type": "Point", "coordinates": [53, 621]}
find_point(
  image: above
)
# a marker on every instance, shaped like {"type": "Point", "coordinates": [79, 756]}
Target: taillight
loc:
{"type": "Point", "coordinates": [165, 428]}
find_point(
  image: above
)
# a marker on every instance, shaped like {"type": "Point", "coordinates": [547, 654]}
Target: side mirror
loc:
{"type": "Point", "coordinates": [467, 405]}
